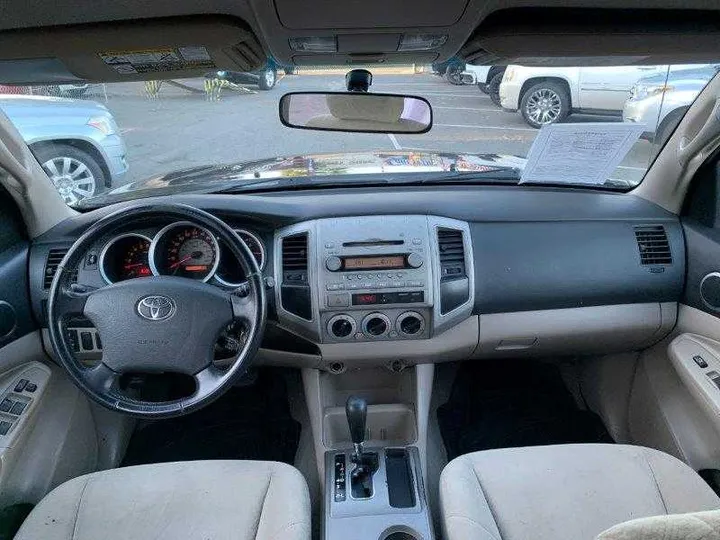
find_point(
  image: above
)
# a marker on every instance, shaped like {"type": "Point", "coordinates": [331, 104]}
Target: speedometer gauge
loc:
{"type": "Point", "coordinates": [125, 257]}
{"type": "Point", "coordinates": [185, 250]}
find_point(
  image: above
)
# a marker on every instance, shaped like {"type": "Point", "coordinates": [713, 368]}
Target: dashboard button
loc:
{"type": "Point", "coordinates": [18, 408]}
{"type": "Point", "coordinates": [338, 300]}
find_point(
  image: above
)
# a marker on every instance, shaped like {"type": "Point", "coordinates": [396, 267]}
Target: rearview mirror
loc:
{"type": "Point", "coordinates": [356, 112]}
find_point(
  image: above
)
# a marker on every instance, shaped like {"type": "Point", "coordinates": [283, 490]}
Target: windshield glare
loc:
{"type": "Point", "coordinates": [100, 143]}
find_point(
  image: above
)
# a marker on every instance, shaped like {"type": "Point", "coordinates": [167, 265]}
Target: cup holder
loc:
{"type": "Point", "coordinates": [400, 533]}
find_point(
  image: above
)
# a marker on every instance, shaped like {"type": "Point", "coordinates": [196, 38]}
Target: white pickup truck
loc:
{"type": "Point", "coordinates": [545, 95]}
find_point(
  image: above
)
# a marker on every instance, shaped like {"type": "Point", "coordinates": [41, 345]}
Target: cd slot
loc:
{"type": "Point", "coordinates": [374, 243]}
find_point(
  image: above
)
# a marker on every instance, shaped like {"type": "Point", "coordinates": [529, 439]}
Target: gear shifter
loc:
{"type": "Point", "coordinates": [366, 463]}
{"type": "Point", "coordinates": [356, 412]}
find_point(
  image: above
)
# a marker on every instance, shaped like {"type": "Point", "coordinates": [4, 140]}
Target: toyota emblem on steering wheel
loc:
{"type": "Point", "coordinates": [156, 307]}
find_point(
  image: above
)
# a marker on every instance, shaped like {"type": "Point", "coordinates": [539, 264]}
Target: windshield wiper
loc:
{"type": "Point", "coordinates": [504, 176]}
{"type": "Point", "coordinates": [507, 175]}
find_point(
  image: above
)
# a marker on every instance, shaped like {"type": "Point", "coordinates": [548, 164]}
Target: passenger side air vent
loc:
{"type": "Point", "coordinates": [295, 289]}
{"type": "Point", "coordinates": [454, 282]}
{"type": "Point", "coordinates": [653, 245]}
{"type": "Point", "coordinates": [55, 256]}
{"type": "Point", "coordinates": [452, 254]}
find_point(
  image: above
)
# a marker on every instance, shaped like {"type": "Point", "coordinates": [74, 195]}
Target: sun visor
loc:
{"type": "Point", "coordinates": [565, 37]}
{"type": "Point", "coordinates": [164, 48]}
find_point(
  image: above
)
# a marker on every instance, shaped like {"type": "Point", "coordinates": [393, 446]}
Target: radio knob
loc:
{"type": "Point", "coordinates": [333, 264]}
{"type": "Point", "coordinates": [415, 260]}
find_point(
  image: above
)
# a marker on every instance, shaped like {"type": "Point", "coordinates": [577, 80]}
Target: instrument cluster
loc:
{"type": "Point", "coordinates": [180, 249]}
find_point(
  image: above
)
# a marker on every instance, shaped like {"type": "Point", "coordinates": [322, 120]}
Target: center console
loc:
{"type": "Point", "coordinates": [373, 278]}
{"type": "Point", "coordinates": [375, 492]}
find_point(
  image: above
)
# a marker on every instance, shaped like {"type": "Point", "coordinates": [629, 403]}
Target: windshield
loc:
{"type": "Point", "coordinates": [101, 143]}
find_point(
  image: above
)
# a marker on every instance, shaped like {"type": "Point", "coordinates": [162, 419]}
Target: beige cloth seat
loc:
{"type": "Point", "coordinates": [564, 492]}
{"type": "Point", "coordinates": [199, 500]}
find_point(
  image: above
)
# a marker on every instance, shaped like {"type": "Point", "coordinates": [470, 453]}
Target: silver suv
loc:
{"type": "Point", "coordinates": [77, 142]}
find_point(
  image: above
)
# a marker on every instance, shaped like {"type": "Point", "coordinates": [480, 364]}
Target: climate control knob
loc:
{"type": "Point", "coordinates": [333, 263]}
{"type": "Point", "coordinates": [410, 323]}
{"type": "Point", "coordinates": [375, 325]}
{"type": "Point", "coordinates": [415, 260]}
{"type": "Point", "coordinates": [341, 326]}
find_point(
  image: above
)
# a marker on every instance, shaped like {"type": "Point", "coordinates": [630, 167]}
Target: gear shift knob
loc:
{"type": "Point", "coordinates": [356, 411]}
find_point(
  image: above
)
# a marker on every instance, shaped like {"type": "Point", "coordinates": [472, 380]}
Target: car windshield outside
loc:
{"type": "Point", "coordinates": [101, 143]}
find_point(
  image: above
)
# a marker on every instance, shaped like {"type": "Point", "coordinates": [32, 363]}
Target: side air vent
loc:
{"type": "Point", "coordinates": [295, 288]}
{"type": "Point", "coordinates": [454, 282]}
{"type": "Point", "coordinates": [55, 256]}
{"type": "Point", "coordinates": [452, 254]}
{"type": "Point", "coordinates": [653, 245]}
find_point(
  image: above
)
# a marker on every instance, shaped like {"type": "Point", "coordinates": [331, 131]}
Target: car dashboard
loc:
{"type": "Point", "coordinates": [358, 278]}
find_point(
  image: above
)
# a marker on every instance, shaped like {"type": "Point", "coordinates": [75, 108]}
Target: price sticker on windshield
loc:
{"type": "Point", "coordinates": [579, 153]}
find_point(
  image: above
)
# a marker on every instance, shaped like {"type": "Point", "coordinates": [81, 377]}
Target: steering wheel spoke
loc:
{"type": "Point", "coordinates": [244, 308]}
{"type": "Point", "coordinates": [71, 302]}
{"type": "Point", "coordinates": [101, 378]}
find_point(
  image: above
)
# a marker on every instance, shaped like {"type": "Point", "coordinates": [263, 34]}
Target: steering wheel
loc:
{"type": "Point", "coordinates": [156, 324]}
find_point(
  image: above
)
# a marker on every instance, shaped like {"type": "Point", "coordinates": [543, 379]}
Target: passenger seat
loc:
{"type": "Point", "coordinates": [564, 492]}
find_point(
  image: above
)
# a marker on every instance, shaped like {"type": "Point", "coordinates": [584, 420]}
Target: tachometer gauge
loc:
{"type": "Point", "coordinates": [185, 250]}
{"type": "Point", "coordinates": [125, 257]}
{"type": "Point", "coordinates": [229, 272]}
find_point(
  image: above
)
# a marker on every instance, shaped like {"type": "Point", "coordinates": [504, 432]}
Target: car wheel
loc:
{"type": "Point", "coordinates": [493, 88]}
{"type": "Point", "coordinates": [75, 173]}
{"type": "Point", "coordinates": [545, 103]}
{"type": "Point", "coordinates": [267, 79]}
{"type": "Point", "coordinates": [483, 87]}
{"type": "Point", "coordinates": [453, 75]}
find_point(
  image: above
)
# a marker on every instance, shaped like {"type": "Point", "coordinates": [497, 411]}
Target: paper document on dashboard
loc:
{"type": "Point", "coordinates": [579, 153]}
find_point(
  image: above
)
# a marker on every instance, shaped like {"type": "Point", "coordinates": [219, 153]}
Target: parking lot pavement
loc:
{"type": "Point", "coordinates": [179, 129]}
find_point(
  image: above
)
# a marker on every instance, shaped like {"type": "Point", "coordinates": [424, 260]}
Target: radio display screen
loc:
{"type": "Point", "coordinates": [372, 263]}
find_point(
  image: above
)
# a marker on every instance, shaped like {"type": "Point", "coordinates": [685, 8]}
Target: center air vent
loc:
{"type": "Point", "coordinates": [55, 256]}
{"type": "Point", "coordinates": [295, 289]}
{"type": "Point", "coordinates": [452, 254]}
{"type": "Point", "coordinates": [454, 282]}
{"type": "Point", "coordinates": [653, 245]}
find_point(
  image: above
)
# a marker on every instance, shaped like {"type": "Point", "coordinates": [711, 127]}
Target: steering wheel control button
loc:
{"type": "Point", "coordinates": [21, 384]}
{"type": "Point", "coordinates": [87, 341]}
{"type": "Point", "coordinates": [156, 307]}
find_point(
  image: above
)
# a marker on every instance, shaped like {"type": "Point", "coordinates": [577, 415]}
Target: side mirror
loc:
{"type": "Point", "coordinates": [356, 112]}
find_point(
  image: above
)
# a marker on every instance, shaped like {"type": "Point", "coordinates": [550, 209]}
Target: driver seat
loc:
{"type": "Point", "coordinates": [177, 501]}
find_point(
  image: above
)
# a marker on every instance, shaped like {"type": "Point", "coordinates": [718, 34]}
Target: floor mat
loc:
{"type": "Point", "coordinates": [249, 422]}
{"type": "Point", "coordinates": [512, 403]}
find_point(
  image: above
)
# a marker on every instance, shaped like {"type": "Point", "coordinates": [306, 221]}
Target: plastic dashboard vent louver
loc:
{"type": "Point", "coordinates": [653, 245]}
{"type": "Point", "coordinates": [452, 254]}
{"type": "Point", "coordinates": [295, 253]}
{"type": "Point", "coordinates": [295, 292]}
{"type": "Point", "coordinates": [55, 256]}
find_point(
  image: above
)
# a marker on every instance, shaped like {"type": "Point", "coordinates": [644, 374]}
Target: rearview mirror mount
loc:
{"type": "Point", "coordinates": [356, 112]}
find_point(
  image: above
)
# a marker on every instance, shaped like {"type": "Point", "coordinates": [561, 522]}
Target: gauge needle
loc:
{"type": "Point", "coordinates": [184, 259]}
{"type": "Point", "coordinates": [130, 266]}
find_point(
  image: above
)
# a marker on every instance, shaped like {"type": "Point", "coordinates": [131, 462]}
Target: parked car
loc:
{"type": "Point", "coordinates": [78, 143]}
{"type": "Point", "coordinates": [546, 95]}
{"type": "Point", "coordinates": [264, 78]}
{"type": "Point", "coordinates": [661, 100]}
{"type": "Point", "coordinates": [490, 83]}
{"type": "Point", "coordinates": [451, 70]}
